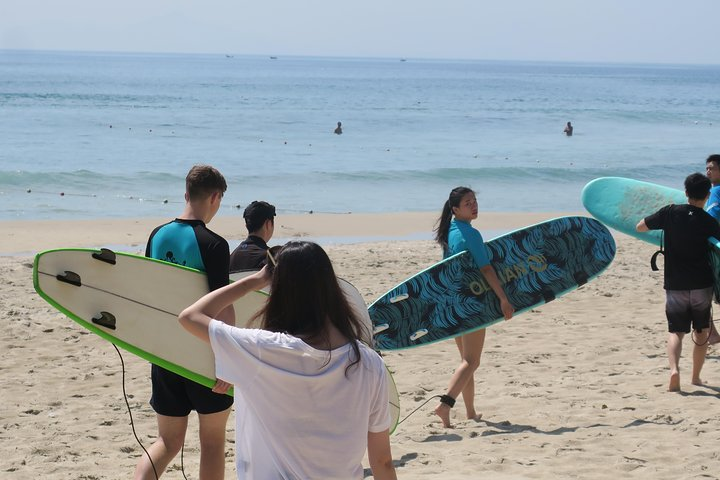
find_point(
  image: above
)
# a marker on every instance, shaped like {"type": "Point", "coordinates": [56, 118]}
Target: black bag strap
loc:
{"type": "Point", "coordinates": [653, 259]}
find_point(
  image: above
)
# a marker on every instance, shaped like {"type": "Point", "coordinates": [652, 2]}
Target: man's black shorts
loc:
{"type": "Point", "coordinates": [176, 396]}
{"type": "Point", "coordinates": [684, 308]}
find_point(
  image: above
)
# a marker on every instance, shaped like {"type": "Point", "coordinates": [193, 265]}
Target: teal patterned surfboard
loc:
{"type": "Point", "coordinates": [535, 264]}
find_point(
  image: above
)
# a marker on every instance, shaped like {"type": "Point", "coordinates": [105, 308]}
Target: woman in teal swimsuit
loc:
{"type": "Point", "coordinates": [455, 234]}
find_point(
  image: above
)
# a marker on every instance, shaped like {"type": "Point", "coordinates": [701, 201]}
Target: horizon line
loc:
{"type": "Point", "coordinates": [278, 56]}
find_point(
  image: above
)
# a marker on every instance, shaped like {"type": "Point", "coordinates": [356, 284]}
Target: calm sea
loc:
{"type": "Point", "coordinates": [116, 133]}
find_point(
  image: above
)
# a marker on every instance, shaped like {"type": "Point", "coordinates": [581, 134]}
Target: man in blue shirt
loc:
{"type": "Point", "coordinates": [712, 170]}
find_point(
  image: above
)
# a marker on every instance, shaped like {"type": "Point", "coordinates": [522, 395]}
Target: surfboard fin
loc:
{"type": "Point", "coordinates": [399, 298]}
{"type": "Point", "coordinates": [106, 255]}
{"type": "Point", "coordinates": [380, 328]}
{"type": "Point", "coordinates": [581, 278]}
{"type": "Point", "coordinates": [70, 277]}
{"type": "Point", "coordinates": [548, 296]}
{"type": "Point", "coordinates": [105, 319]}
{"type": "Point", "coordinates": [420, 333]}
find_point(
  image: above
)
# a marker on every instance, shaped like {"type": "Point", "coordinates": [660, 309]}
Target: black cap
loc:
{"type": "Point", "coordinates": [257, 213]}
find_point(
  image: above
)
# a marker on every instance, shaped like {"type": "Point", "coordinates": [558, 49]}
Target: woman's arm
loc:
{"type": "Point", "coordinates": [380, 456]}
{"type": "Point", "coordinates": [491, 276]}
{"type": "Point", "coordinates": [196, 318]}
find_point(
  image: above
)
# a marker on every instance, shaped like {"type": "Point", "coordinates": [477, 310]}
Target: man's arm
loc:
{"type": "Point", "coordinates": [641, 226]}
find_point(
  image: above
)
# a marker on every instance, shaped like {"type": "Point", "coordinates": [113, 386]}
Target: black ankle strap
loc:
{"type": "Point", "coordinates": [447, 400]}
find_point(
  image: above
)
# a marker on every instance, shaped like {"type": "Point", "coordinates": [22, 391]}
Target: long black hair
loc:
{"type": "Point", "coordinates": [306, 297]}
{"type": "Point", "coordinates": [442, 226]}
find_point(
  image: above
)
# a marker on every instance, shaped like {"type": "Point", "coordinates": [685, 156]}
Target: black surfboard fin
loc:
{"type": "Point", "coordinates": [548, 295]}
{"type": "Point", "coordinates": [105, 319]}
{"type": "Point", "coordinates": [580, 278]}
{"type": "Point", "coordinates": [70, 277]}
{"type": "Point", "coordinates": [105, 255]}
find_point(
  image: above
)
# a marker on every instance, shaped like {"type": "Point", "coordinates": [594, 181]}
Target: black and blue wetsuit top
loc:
{"type": "Point", "coordinates": [191, 244]}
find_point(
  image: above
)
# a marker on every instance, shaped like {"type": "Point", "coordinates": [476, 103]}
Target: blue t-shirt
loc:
{"type": "Point", "coordinates": [461, 237]}
{"type": "Point", "coordinates": [713, 204]}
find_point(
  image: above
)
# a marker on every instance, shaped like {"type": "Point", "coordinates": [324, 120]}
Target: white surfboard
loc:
{"type": "Point", "coordinates": [133, 302]}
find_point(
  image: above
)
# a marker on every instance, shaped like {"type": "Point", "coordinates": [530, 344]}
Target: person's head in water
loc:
{"type": "Point", "coordinates": [338, 130]}
{"type": "Point", "coordinates": [697, 186]}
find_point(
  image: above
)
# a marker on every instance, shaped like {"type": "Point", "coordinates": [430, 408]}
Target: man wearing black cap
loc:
{"type": "Point", "coordinates": [251, 253]}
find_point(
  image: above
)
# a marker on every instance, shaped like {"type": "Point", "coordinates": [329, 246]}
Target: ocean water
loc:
{"type": "Point", "coordinates": [87, 135]}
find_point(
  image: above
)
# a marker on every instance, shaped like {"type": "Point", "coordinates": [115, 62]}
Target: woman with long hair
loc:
{"type": "Point", "coordinates": [455, 234]}
{"type": "Point", "coordinates": [310, 397]}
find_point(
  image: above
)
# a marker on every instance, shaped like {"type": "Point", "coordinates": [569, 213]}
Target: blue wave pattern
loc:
{"type": "Point", "coordinates": [536, 265]}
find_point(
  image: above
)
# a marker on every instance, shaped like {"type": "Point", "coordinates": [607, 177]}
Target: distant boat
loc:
{"type": "Point", "coordinates": [403, 59]}
{"type": "Point", "coordinates": [273, 58]}
{"type": "Point", "coordinates": [229, 56]}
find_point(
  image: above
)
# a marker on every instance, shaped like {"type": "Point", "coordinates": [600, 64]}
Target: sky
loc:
{"type": "Point", "coordinates": [634, 31]}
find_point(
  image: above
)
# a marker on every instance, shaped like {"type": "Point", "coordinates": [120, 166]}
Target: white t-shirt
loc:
{"type": "Point", "coordinates": [297, 414]}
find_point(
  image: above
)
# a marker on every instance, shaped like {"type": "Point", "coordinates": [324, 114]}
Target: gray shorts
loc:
{"type": "Point", "coordinates": [684, 308]}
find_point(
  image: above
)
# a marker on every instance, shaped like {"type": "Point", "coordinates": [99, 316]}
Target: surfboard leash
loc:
{"type": "Point", "coordinates": [132, 424]}
{"type": "Point", "coordinates": [418, 408]}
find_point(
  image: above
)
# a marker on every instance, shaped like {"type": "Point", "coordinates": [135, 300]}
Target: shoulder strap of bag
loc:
{"type": "Point", "coordinates": [653, 259]}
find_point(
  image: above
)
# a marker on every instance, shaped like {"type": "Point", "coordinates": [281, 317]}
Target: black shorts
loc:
{"type": "Point", "coordinates": [176, 396]}
{"type": "Point", "coordinates": [686, 307]}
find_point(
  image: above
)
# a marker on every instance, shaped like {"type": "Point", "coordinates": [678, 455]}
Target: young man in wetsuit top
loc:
{"type": "Point", "coordinates": [187, 241]}
{"type": "Point", "coordinates": [689, 277]}
{"type": "Point", "coordinates": [260, 223]}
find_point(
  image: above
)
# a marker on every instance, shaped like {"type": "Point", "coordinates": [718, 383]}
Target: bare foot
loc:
{"type": "Point", "coordinates": [443, 411]}
{"type": "Point", "coordinates": [471, 415]}
{"type": "Point", "coordinates": [674, 383]}
{"type": "Point", "coordinates": [698, 382]}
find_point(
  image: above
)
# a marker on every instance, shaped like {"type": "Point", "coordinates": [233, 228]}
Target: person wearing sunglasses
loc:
{"type": "Point", "coordinates": [311, 398]}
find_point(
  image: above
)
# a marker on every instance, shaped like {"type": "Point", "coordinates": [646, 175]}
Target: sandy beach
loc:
{"type": "Point", "coordinates": [575, 389]}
